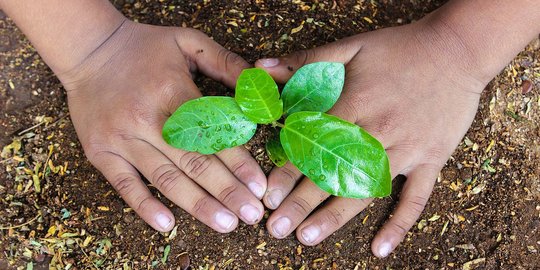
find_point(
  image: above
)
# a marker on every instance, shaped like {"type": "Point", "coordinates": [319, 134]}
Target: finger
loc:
{"type": "Point", "coordinates": [283, 68]}
{"type": "Point", "coordinates": [211, 58]}
{"type": "Point", "coordinates": [295, 208]}
{"type": "Point", "coordinates": [180, 189]}
{"type": "Point", "coordinates": [245, 168]}
{"type": "Point", "coordinates": [332, 216]}
{"type": "Point", "coordinates": [280, 183]}
{"type": "Point", "coordinates": [127, 182]}
{"type": "Point", "coordinates": [338, 211]}
{"type": "Point", "coordinates": [237, 159]}
{"type": "Point", "coordinates": [212, 175]}
{"type": "Point", "coordinates": [413, 199]}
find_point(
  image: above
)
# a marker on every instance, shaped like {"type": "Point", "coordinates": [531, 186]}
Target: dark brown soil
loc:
{"type": "Point", "coordinates": [484, 212]}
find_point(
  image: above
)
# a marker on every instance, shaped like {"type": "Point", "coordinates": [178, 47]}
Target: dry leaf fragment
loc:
{"type": "Point", "coordinates": [467, 265]}
{"type": "Point", "coordinates": [297, 29]}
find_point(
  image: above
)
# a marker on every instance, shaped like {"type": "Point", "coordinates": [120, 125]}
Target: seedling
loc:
{"type": "Point", "coordinates": [339, 157]}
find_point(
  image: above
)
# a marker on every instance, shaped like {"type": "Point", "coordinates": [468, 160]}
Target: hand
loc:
{"type": "Point", "coordinates": [120, 96]}
{"type": "Point", "coordinates": [408, 86]}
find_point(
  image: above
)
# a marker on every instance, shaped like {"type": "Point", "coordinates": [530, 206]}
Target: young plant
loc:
{"type": "Point", "coordinates": [339, 157]}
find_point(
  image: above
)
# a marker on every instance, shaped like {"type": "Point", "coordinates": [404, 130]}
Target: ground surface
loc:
{"type": "Point", "coordinates": [484, 212]}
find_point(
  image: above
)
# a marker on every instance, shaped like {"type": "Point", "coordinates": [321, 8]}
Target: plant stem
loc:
{"type": "Point", "coordinates": [277, 124]}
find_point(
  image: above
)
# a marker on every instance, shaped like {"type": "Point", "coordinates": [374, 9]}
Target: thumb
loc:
{"type": "Point", "coordinates": [284, 67]}
{"type": "Point", "coordinates": [210, 58]}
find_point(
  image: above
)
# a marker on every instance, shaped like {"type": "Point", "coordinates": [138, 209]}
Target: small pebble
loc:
{"type": "Point", "coordinates": [184, 261]}
{"type": "Point", "coordinates": [526, 87]}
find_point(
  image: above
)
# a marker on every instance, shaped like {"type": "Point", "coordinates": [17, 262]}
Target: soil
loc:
{"type": "Point", "coordinates": [484, 212]}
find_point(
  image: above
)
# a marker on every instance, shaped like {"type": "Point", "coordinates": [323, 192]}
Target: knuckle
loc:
{"type": "Point", "coordinates": [166, 177]}
{"type": "Point", "coordinates": [200, 206]}
{"type": "Point", "coordinates": [333, 217]}
{"type": "Point", "coordinates": [195, 164]}
{"type": "Point", "coordinates": [98, 144]}
{"type": "Point", "coordinates": [239, 168]}
{"type": "Point", "coordinates": [226, 195]}
{"type": "Point", "coordinates": [142, 203]}
{"type": "Point", "coordinates": [233, 58]}
{"type": "Point", "coordinates": [300, 205]}
{"type": "Point", "coordinates": [124, 184]}
{"type": "Point", "coordinates": [288, 174]}
{"type": "Point", "coordinates": [94, 152]}
{"type": "Point", "coordinates": [169, 95]}
{"type": "Point", "coordinates": [399, 227]}
{"type": "Point", "coordinates": [229, 59]}
{"type": "Point", "coordinates": [416, 203]}
{"type": "Point", "coordinates": [302, 57]}
{"type": "Point", "coordinates": [436, 156]}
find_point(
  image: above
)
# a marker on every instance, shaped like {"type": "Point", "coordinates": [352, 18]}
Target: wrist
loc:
{"type": "Point", "coordinates": [93, 64]}
{"type": "Point", "coordinates": [64, 32]}
{"type": "Point", "coordinates": [449, 52]}
{"type": "Point", "coordinates": [482, 43]}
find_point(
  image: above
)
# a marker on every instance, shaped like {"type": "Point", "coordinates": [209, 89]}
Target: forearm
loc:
{"type": "Point", "coordinates": [488, 32]}
{"type": "Point", "coordinates": [64, 32]}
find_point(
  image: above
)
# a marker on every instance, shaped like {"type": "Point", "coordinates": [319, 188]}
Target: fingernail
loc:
{"type": "Point", "coordinates": [224, 220]}
{"type": "Point", "coordinates": [275, 197]}
{"type": "Point", "coordinates": [269, 62]}
{"type": "Point", "coordinates": [385, 249]}
{"type": "Point", "coordinates": [256, 189]}
{"type": "Point", "coordinates": [249, 213]}
{"type": "Point", "coordinates": [281, 226]}
{"type": "Point", "coordinates": [163, 221]}
{"type": "Point", "coordinates": [311, 233]}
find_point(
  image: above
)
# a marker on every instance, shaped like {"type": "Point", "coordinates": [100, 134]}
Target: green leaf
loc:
{"type": "Point", "coordinates": [65, 213]}
{"type": "Point", "coordinates": [275, 152]}
{"type": "Point", "coordinates": [314, 87]}
{"type": "Point", "coordinates": [258, 96]}
{"type": "Point", "coordinates": [166, 254]}
{"type": "Point", "coordinates": [208, 125]}
{"type": "Point", "coordinates": [340, 157]}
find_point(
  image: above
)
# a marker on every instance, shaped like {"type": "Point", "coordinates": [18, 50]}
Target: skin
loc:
{"type": "Point", "coordinates": [416, 88]}
{"type": "Point", "coordinates": [123, 80]}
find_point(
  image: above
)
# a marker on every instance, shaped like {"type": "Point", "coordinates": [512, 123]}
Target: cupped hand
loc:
{"type": "Point", "coordinates": [120, 96]}
{"type": "Point", "coordinates": [413, 88]}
